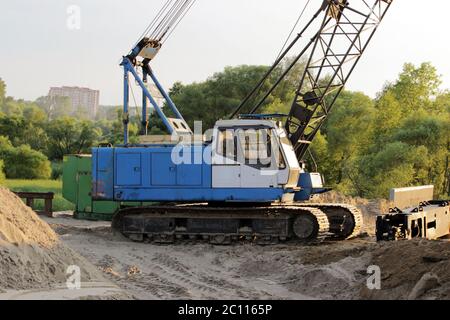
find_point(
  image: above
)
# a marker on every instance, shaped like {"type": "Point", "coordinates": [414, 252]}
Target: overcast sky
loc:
{"type": "Point", "coordinates": [38, 50]}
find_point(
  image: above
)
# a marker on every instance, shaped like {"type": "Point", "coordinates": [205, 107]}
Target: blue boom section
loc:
{"type": "Point", "coordinates": [150, 174]}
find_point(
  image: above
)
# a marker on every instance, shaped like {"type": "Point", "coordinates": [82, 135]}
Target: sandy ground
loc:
{"type": "Point", "coordinates": [35, 253]}
{"type": "Point", "coordinates": [332, 270]}
{"type": "Point", "coordinates": [88, 291]}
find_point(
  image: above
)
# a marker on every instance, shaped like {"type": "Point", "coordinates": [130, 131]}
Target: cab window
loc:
{"type": "Point", "coordinates": [226, 144]}
{"type": "Point", "coordinates": [256, 145]}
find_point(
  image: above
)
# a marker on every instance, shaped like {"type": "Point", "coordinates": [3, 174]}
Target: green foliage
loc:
{"type": "Point", "coordinates": [389, 114]}
{"type": "Point", "coordinates": [112, 131]}
{"type": "Point", "coordinates": [410, 143]}
{"type": "Point", "coordinates": [57, 170]}
{"type": "Point", "coordinates": [2, 173]}
{"type": "Point", "coordinates": [2, 91]}
{"type": "Point", "coordinates": [217, 97]}
{"type": "Point", "coordinates": [13, 127]}
{"type": "Point", "coordinates": [220, 95]}
{"type": "Point", "coordinates": [55, 107]}
{"type": "Point", "coordinates": [34, 114]}
{"type": "Point", "coordinates": [23, 162]}
{"type": "Point", "coordinates": [70, 136]}
{"type": "Point", "coordinates": [319, 155]}
{"type": "Point", "coordinates": [345, 137]}
{"type": "Point", "coordinates": [415, 87]}
{"type": "Point", "coordinates": [6, 149]}
{"type": "Point", "coordinates": [400, 139]}
{"type": "Point", "coordinates": [20, 130]}
{"type": "Point", "coordinates": [394, 165]}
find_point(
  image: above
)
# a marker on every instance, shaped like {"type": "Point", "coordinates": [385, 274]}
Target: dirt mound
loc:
{"type": "Point", "coordinates": [412, 270]}
{"type": "Point", "coordinates": [327, 271]}
{"type": "Point", "coordinates": [31, 255]}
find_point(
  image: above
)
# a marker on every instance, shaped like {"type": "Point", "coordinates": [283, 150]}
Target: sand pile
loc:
{"type": "Point", "coordinates": [20, 225]}
{"type": "Point", "coordinates": [31, 255]}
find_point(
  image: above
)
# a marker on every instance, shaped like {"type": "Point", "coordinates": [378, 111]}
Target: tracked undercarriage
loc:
{"type": "Point", "coordinates": [299, 222]}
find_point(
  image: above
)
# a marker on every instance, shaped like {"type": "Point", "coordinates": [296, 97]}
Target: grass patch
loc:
{"type": "Point", "coordinates": [55, 186]}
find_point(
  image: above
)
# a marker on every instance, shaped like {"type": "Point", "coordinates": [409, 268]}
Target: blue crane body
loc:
{"type": "Point", "coordinates": [247, 179]}
{"type": "Point", "coordinates": [149, 174]}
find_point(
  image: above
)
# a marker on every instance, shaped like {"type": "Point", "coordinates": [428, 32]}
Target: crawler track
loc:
{"type": "Point", "coordinates": [223, 225]}
{"type": "Point", "coordinates": [299, 222]}
{"type": "Point", "coordinates": [346, 221]}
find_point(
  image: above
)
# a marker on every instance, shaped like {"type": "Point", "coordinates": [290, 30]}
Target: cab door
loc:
{"type": "Point", "coordinates": [256, 157]}
{"type": "Point", "coordinates": [226, 170]}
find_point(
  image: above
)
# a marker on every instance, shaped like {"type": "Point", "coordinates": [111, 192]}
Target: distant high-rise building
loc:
{"type": "Point", "coordinates": [80, 98]}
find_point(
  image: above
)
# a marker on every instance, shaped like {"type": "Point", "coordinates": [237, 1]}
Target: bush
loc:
{"type": "Point", "coordinates": [57, 170]}
{"type": "Point", "coordinates": [5, 145]}
{"type": "Point", "coordinates": [2, 173]}
{"type": "Point", "coordinates": [25, 163]}
{"type": "Point", "coordinates": [5, 149]}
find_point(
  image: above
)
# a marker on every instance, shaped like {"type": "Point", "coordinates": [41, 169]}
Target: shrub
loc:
{"type": "Point", "coordinates": [2, 173]}
{"type": "Point", "coordinates": [57, 170]}
{"type": "Point", "coordinates": [25, 163]}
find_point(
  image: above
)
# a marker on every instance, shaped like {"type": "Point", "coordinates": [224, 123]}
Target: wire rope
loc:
{"type": "Point", "coordinates": [293, 29]}
{"type": "Point", "coordinates": [181, 19]}
{"type": "Point", "coordinates": [258, 90]}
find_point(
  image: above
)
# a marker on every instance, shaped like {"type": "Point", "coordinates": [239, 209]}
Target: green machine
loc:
{"type": "Point", "coordinates": [77, 186]}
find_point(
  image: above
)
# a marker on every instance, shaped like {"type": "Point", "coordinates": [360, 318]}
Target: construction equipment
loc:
{"type": "Point", "coordinates": [248, 180]}
{"type": "Point", "coordinates": [414, 215]}
{"type": "Point", "coordinates": [77, 187]}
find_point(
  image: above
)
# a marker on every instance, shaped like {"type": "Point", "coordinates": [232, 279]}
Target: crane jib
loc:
{"type": "Point", "coordinates": [337, 42]}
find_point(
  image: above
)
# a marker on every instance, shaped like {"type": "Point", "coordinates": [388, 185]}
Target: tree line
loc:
{"type": "Point", "coordinates": [35, 135]}
{"type": "Point", "coordinates": [367, 146]}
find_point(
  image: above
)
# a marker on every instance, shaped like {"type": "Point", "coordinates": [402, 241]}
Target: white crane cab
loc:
{"type": "Point", "coordinates": [253, 154]}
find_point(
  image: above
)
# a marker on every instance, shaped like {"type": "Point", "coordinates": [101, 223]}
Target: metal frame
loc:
{"type": "Point", "coordinates": [334, 51]}
{"type": "Point", "coordinates": [129, 68]}
{"type": "Point", "coordinates": [337, 49]}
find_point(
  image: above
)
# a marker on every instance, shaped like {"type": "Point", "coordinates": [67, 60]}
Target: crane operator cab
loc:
{"type": "Point", "coordinates": [253, 154]}
{"type": "Point", "coordinates": [248, 153]}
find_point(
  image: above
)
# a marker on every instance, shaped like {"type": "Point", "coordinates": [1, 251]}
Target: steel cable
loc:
{"type": "Point", "coordinates": [164, 20]}
{"type": "Point", "coordinates": [181, 19]}
{"type": "Point", "coordinates": [257, 90]}
{"type": "Point", "coordinates": [293, 29]}
{"type": "Point", "coordinates": [153, 22]}
{"type": "Point", "coordinates": [168, 20]}
{"type": "Point", "coordinates": [171, 20]}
